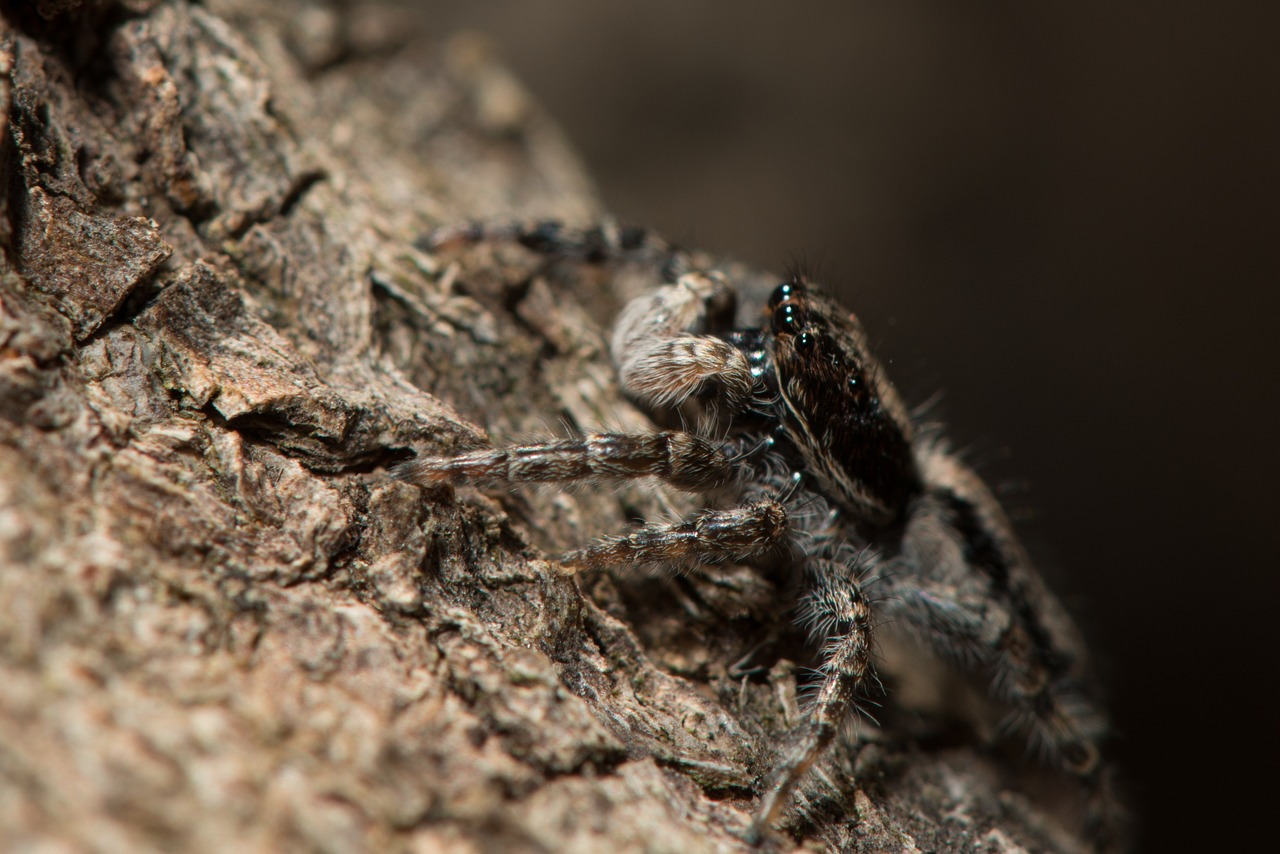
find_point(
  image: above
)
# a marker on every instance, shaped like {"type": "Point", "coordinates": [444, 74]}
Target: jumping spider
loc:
{"type": "Point", "coordinates": [805, 449]}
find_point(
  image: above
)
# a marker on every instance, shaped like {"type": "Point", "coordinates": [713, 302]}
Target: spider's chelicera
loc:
{"type": "Point", "coordinates": [806, 451]}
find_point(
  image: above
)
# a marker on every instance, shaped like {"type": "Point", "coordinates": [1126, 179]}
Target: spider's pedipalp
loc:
{"type": "Point", "coordinates": [663, 353]}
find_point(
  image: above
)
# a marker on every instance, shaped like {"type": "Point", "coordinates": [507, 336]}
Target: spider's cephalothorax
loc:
{"type": "Point", "coordinates": [807, 451]}
{"type": "Point", "coordinates": [837, 409]}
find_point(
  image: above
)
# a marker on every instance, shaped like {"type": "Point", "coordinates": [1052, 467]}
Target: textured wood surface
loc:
{"type": "Point", "coordinates": [221, 625]}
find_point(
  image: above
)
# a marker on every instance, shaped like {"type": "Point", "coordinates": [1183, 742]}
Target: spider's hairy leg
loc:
{"type": "Point", "coordinates": [997, 639]}
{"type": "Point", "coordinates": [970, 589]}
{"type": "Point", "coordinates": [712, 536]}
{"type": "Point", "coordinates": [662, 355]}
{"type": "Point", "coordinates": [684, 460]}
{"type": "Point", "coordinates": [605, 243]}
{"type": "Point", "coordinates": [966, 586]}
{"type": "Point", "coordinates": [840, 613]}
{"type": "Point", "coordinates": [1038, 682]}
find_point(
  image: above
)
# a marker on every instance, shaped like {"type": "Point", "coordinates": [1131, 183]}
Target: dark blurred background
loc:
{"type": "Point", "coordinates": [1063, 215]}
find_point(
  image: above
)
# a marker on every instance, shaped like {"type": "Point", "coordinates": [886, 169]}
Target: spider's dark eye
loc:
{"type": "Point", "coordinates": [805, 342]}
{"type": "Point", "coordinates": [782, 292]}
{"type": "Point", "coordinates": [786, 318]}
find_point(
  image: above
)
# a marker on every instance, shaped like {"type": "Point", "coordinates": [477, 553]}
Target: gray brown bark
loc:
{"type": "Point", "coordinates": [221, 624]}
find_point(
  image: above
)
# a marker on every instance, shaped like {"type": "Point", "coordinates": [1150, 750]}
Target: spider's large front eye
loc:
{"type": "Point", "coordinates": [805, 342]}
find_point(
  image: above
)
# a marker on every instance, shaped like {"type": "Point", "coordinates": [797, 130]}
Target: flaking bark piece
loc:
{"type": "Point", "coordinates": [219, 356]}
{"type": "Point", "coordinates": [88, 263]}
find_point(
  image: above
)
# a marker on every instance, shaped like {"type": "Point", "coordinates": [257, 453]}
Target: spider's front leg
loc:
{"type": "Point", "coordinates": [685, 460]}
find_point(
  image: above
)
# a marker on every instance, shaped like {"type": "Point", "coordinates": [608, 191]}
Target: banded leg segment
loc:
{"type": "Point", "coordinates": [1037, 683]}
{"type": "Point", "coordinates": [999, 639]}
{"type": "Point", "coordinates": [713, 536]}
{"type": "Point", "coordinates": [599, 244]}
{"type": "Point", "coordinates": [967, 586]}
{"type": "Point", "coordinates": [684, 460]}
{"type": "Point", "coordinates": [841, 610]}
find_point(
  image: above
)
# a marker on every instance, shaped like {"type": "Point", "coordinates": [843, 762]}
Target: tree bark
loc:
{"type": "Point", "coordinates": [221, 623]}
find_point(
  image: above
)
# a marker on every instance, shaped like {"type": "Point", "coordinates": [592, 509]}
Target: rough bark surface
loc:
{"type": "Point", "coordinates": [221, 625]}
